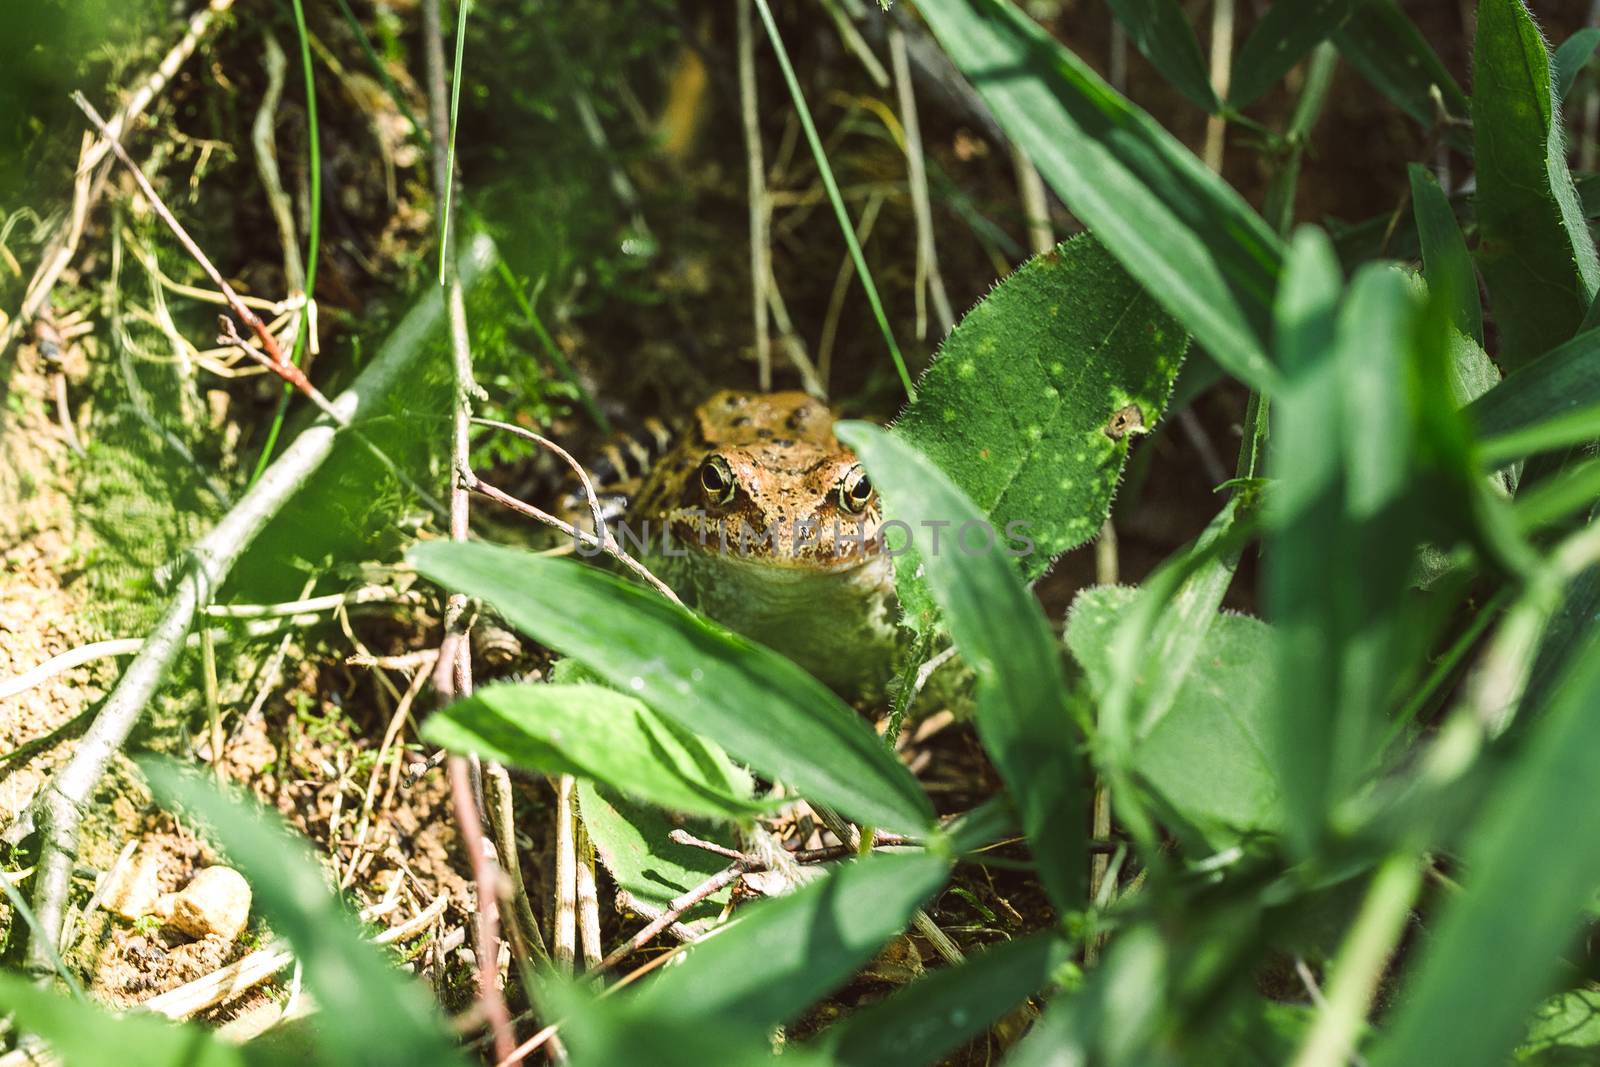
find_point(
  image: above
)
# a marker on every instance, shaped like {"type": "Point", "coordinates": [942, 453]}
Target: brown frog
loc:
{"type": "Point", "coordinates": [759, 517]}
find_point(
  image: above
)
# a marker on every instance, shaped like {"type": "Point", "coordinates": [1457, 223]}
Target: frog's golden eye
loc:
{"type": "Point", "coordinates": [855, 490]}
{"type": "Point", "coordinates": [716, 480]}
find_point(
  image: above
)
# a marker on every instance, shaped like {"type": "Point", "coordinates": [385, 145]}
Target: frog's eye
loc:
{"type": "Point", "coordinates": [716, 480]}
{"type": "Point", "coordinates": [855, 490]}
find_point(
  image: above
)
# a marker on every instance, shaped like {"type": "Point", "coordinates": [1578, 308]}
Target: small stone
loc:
{"type": "Point", "coordinates": [136, 886]}
{"type": "Point", "coordinates": [216, 902]}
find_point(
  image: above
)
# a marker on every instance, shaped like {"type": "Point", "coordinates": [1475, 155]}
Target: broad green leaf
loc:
{"type": "Point", "coordinates": [1563, 382]}
{"type": "Point", "coordinates": [1163, 35]}
{"type": "Point", "coordinates": [1534, 248]}
{"type": "Point", "coordinates": [1022, 713]}
{"type": "Point", "coordinates": [1188, 237]}
{"type": "Point", "coordinates": [1565, 1030]}
{"type": "Point", "coordinates": [929, 1018]}
{"type": "Point", "coordinates": [384, 1018]}
{"type": "Point", "coordinates": [1570, 59]}
{"type": "Point", "coordinates": [1208, 759]}
{"type": "Point", "coordinates": [762, 709]}
{"type": "Point", "coordinates": [1345, 522]}
{"type": "Point", "coordinates": [1445, 259]}
{"type": "Point", "coordinates": [1522, 867]}
{"type": "Point", "coordinates": [1285, 35]}
{"type": "Point", "coordinates": [595, 733]}
{"type": "Point", "coordinates": [1157, 640]}
{"type": "Point", "coordinates": [86, 1035]}
{"type": "Point", "coordinates": [1035, 399]}
{"type": "Point", "coordinates": [1385, 46]}
{"type": "Point", "coordinates": [631, 840]}
{"type": "Point", "coordinates": [781, 955]}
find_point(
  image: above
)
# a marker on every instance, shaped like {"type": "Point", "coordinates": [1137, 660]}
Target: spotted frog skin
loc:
{"type": "Point", "coordinates": [760, 518]}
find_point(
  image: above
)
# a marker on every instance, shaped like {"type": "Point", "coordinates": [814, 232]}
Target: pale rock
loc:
{"type": "Point", "coordinates": [216, 902]}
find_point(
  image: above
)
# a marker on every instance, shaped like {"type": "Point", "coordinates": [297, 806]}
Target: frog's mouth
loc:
{"type": "Point", "coordinates": [806, 547]}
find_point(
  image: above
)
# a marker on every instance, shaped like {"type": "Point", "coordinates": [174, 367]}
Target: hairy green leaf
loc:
{"type": "Point", "coordinates": [1163, 35]}
{"type": "Point", "coordinates": [1534, 248]}
{"type": "Point", "coordinates": [1189, 238]}
{"type": "Point", "coordinates": [1385, 46]}
{"type": "Point", "coordinates": [1003, 636]}
{"type": "Point", "coordinates": [383, 1017]}
{"type": "Point", "coordinates": [1286, 33]}
{"type": "Point", "coordinates": [762, 709]}
{"type": "Point", "coordinates": [779, 956]}
{"type": "Point", "coordinates": [1208, 759]}
{"type": "Point", "coordinates": [86, 1035]}
{"type": "Point", "coordinates": [596, 733]}
{"type": "Point", "coordinates": [1520, 863]}
{"type": "Point", "coordinates": [931, 1017]}
{"type": "Point", "coordinates": [1445, 259]}
{"type": "Point", "coordinates": [1036, 397]}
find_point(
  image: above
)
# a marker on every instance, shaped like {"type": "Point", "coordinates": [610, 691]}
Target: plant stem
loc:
{"type": "Point", "coordinates": [1361, 962]}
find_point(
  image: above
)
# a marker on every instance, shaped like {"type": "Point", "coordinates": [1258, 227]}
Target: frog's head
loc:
{"type": "Point", "coordinates": [768, 482]}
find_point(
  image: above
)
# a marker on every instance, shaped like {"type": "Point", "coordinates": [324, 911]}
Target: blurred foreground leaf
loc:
{"type": "Point", "coordinates": [374, 1014]}
{"type": "Point", "coordinates": [595, 733]}
{"type": "Point", "coordinates": [1190, 239]}
{"type": "Point", "coordinates": [762, 709]}
{"type": "Point", "coordinates": [1003, 636]}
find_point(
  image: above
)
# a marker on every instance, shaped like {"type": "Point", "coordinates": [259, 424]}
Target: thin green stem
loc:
{"type": "Point", "coordinates": [450, 151]}
{"type": "Point", "coordinates": [1361, 962]}
{"type": "Point", "coordinates": [313, 238]}
{"type": "Point", "coordinates": [20, 906]}
{"type": "Point", "coordinates": [382, 71]}
{"type": "Point", "coordinates": [834, 197]}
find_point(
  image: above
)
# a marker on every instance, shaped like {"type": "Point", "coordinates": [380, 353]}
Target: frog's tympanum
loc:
{"type": "Point", "coordinates": [759, 517]}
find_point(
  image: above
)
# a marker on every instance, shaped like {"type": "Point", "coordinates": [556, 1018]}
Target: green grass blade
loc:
{"type": "Point", "coordinates": [846, 227]}
{"type": "Point", "coordinates": [1187, 236]}
{"type": "Point", "coordinates": [595, 733]}
{"type": "Point", "coordinates": [86, 1035]}
{"type": "Point", "coordinates": [19, 908]}
{"type": "Point", "coordinates": [781, 955]}
{"type": "Point", "coordinates": [382, 1017]}
{"type": "Point", "coordinates": [1445, 259]}
{"type": "Point", "coordinates": [462, 9]}
{"type": "Point", "coordinates": [1536, 402]}
{"type": "Point", "coordinates": [1534, 248]}
{"type": "Point", "coordinates": [1570, 59]}
{"type": "Point", "coordinates": [1381, 42]}
{"type": "Point", "coordinates": [1497, 947]}
{"type": "Point", "coordinates": [1163, 35]}
{"type": "Point", "coordinates": [1113, 1018]}
{"type": "Point", "coordinates": [762, 709]}
{"type": "Point", "coordinates": [1022, 714]}
{"type": "Point", "coordinates": [313, 238]}
{"type": "Point", "coordinates": [1343, 522]}
{"type": "Point", "coordinates": [930, 1018]}
{"type": "Point", "coordinates": [1285, 35]}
